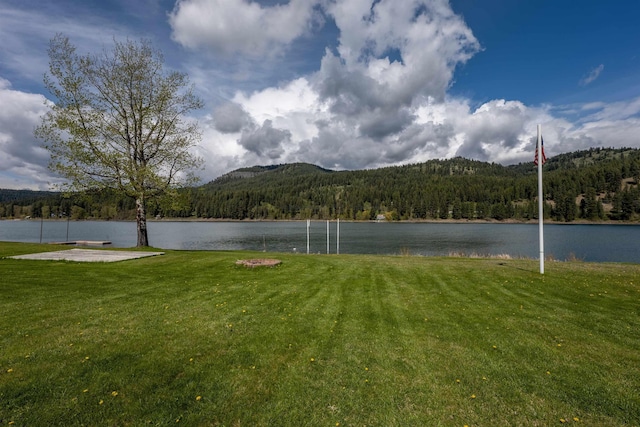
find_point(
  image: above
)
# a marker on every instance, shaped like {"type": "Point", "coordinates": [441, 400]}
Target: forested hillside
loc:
{"type": "Point", "coordinates": [23, 195]}
{"type": "Point", "coordinates": [594, 185]}
{"type": "Point", "coordinates": [597, 184]}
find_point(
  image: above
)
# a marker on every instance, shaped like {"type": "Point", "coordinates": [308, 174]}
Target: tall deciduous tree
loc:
{"type": "Point", "coordinates": [119, 121]}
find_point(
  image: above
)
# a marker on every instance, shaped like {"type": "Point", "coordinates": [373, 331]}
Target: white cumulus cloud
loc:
{"type": "Point", "coordinates": [239, 26]}
{"type": "Point", "coordinates": [23, 160]}
{"type": "Point", "coordinates": [380, 98]}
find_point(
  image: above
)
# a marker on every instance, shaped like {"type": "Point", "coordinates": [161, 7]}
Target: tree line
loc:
{"type": "Point", "coordinates": [594, 185]}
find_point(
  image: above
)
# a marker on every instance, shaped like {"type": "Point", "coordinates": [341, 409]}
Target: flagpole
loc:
{"type": "Point", "coordinates": [540, 200]}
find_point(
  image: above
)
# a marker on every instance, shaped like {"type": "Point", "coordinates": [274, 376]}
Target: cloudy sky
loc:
{"type": "Point", "coordinates": [350, 84]}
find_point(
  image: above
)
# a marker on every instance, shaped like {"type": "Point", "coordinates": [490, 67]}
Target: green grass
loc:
{"type": "Point", "coordinates": [189, 338]}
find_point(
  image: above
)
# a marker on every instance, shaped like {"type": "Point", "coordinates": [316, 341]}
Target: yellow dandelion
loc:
{"type": "Point", "coordinates": [312, 359]}
{"type": "Point", "coordinates": [366, 369]}
{"type": "Point", "coordinates": [576, 419]}
{"type": "Point", "coordinates": [458, 381]}
{"type": "Point", "coordinates": [495, 346]}
{"type": "Point", "coordinates": [9, 370]}
{"type": "Point", "coordinates": [562, 420]}
{"type": "Point", "coordinates": [114, 393]}
{"type": "Point", "coordinates": [473, 396]}
{"type": "Point", "coordinates": [101, 402]}
{"type": "Point", "coordinates": [548, 373]}
{"type": "Point", "coordinates": [86, 390]}
{"type": "Point", "coordinates": [198, 398]}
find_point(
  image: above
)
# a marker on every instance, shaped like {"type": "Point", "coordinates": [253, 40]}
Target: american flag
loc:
{"type": "Point", "coordinates": [543, 157]}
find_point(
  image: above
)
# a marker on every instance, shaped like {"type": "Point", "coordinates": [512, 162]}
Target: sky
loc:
{"type": "Point", "coordinates": [349, 84]}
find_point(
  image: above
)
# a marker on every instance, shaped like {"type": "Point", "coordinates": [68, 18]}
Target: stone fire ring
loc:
{"type": "Point", "coordinates": [262, 262]}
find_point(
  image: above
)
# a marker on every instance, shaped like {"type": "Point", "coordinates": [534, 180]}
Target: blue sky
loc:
{"type": "Point", "coordinates": [350, 84]}
{"type": "Point", "coordinates": [539, 51]}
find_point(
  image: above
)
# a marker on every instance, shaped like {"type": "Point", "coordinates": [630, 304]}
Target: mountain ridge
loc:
{"type": "Point", "coordinates": [453, 166]}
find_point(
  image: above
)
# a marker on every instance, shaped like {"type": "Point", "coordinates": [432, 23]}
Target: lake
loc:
{"type": "Point", "coordinates": [587, 242]}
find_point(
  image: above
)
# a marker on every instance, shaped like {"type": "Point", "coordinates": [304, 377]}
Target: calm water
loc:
{"type": "Point", "coordinates": [600, 243]}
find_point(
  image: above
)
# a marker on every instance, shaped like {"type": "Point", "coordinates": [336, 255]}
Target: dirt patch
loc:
{"type": "Point", "coordinates": [261, 262]}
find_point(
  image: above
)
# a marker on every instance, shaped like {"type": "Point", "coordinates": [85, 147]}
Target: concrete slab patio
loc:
{"type": "Point", "coordinates": [88, 255]}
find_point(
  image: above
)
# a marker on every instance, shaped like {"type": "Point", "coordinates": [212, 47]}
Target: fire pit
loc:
{"type": "Point", "coordinates": [262, 262]}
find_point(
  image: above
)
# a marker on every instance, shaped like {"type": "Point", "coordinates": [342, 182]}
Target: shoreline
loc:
{"type": "Point", "coordinates": [406, 221]}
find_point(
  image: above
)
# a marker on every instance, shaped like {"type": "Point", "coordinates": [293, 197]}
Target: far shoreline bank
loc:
{"type": "Point", "coordinates": [406, 221]}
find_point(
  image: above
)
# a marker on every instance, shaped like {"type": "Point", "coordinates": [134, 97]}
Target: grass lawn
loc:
{"type": "Point", "coordinates": [190, 338]}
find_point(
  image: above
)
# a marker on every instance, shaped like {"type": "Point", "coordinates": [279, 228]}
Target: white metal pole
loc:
{"type": "Point", "coordinates": [540, 201]}
{"type": "Point", "coordinates": [308, 225]}
{"type": "Point", "coordinates": [338, 237]}
{"type": "Point", "coordinates": [327, 237]}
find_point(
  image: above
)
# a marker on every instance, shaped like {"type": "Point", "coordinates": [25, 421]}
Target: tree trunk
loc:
{"type": "Point", "coordinates": [141, 220]}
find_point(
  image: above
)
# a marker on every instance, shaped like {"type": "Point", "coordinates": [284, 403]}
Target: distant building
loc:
{"type": "Point", "coordinates": [381, 217]}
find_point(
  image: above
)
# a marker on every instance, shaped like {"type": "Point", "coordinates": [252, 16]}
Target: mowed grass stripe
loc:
{"type": "Point", "coordinates": [192, 338]}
